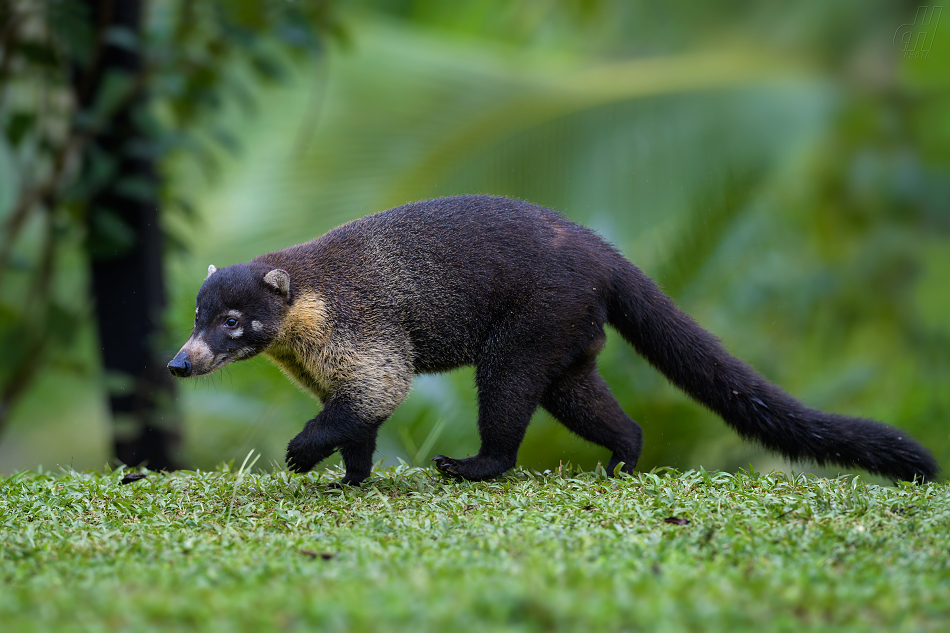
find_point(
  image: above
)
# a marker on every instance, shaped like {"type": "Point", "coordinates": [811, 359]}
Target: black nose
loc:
{"type": "Point", "coordinates": [180, 365]}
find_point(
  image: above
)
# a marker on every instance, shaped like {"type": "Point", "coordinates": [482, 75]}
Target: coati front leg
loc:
{"type": "Point", "coordinates": [378, 380]}
{"type": "Point", "coordinates": [358, 459]}
{"type": "Point", "coordinates": [347, 424]}
{"type": "Point", "coordinates": [339, 426]}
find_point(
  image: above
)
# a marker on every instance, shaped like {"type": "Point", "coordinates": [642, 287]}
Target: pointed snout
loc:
{"type": "Point", "coordinates": [180, 365]}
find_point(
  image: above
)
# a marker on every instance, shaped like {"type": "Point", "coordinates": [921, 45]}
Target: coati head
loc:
{"type": "Point", "coordinates": [238, 315]}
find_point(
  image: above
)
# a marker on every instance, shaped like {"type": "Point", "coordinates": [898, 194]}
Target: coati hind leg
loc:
{"type": "Point", "coordinates": [582, 402]}
{"type": "Point", "coordinates": [506, 401]}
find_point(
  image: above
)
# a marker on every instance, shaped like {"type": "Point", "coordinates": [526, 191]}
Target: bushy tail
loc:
{"type": "Point", "coordinates": [694, 360]}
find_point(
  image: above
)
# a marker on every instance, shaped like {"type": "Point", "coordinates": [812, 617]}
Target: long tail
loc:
{"type": "Point", "coordinates": [695, 361]}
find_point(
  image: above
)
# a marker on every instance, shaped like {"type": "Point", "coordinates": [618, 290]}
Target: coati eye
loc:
{"type": "Point", "coordinates": [230, 322]}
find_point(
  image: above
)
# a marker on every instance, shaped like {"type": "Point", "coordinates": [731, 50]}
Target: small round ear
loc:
{"type": "Point", "coordinates": [279, 280]}
{"type": "Point", "coordinates": [212, 269]}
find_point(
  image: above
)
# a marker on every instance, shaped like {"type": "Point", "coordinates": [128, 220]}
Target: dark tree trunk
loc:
{"type": "Point", "coordinates": [125, 245]}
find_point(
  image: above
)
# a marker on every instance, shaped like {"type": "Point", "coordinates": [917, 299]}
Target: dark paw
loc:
{"type": "Point", "coordinates": [446, 465]}
{"type": "Point", "coordinates": [298, 463]}
{"type": "Point", "coordinates": [471, 468]}
{"type": "Point", "coordinates": [347, 481]}
{"type": "Point", "coordinates": [354, 480]}
{"type": "Point", "coordinates": [628, 467]}
{"type": "Point", "coordinates": [302, 457]}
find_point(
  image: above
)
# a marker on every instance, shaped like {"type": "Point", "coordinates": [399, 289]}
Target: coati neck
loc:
{"type": "Point", "coordinates": [300, 347]}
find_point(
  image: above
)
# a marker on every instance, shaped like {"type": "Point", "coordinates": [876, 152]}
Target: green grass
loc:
{"type": "Point", "coordinates": [413, 551]}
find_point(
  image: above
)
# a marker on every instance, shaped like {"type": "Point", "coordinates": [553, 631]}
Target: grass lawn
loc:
{"type": "Point", "coordinates": [409, 550]}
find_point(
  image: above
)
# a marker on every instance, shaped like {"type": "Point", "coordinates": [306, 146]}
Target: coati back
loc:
{"type": "Point", "coordinates": [517, 291]}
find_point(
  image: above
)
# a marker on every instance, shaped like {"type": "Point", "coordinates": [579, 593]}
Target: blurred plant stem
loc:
{"type": "Point", "coordinates": [127, 276]}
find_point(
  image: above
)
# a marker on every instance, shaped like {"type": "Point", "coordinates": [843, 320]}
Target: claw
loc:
{"type": "Point", "coordinates": [295, 467]}
{"type": "Point", "coordinates": [444, 464]}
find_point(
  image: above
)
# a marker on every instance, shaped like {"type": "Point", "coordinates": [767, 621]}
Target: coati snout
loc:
{"type": "Point", "coordinates": [521, 293]}
{"type": "Point", "coordinates": [180, 366]}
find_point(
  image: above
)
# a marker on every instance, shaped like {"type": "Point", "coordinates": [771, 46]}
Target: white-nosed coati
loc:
{"type": "Point", "coordinates": [517, 291]}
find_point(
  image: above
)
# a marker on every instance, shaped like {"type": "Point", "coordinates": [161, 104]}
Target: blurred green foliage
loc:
{"type": "Point", "coordinates": [783, 171]}
{"type": "Point", "coordinates": [74, 72]}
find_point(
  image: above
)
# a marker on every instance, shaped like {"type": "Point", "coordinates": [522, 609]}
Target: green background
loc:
{"type": "Point", "coordinates": [781, 170]}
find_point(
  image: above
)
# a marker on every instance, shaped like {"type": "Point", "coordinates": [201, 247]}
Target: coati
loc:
{"type": "Point", "coordinates": [522, 294]}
